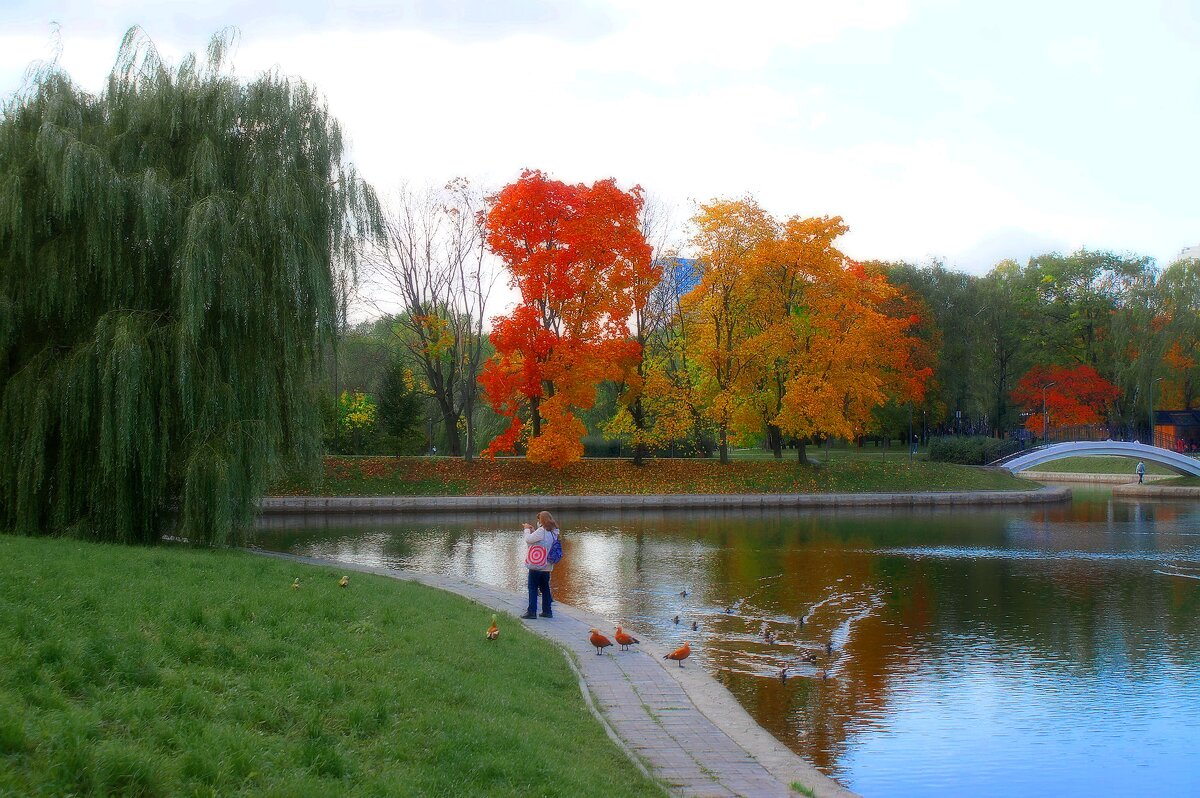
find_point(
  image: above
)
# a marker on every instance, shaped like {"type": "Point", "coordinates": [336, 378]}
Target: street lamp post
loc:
{"type": "Point", "coordinates": [910, 435]}
{"type": "Point", "coordinates": [1045, 412]}
{"type": "Point", "coordinates": [1153, 382]}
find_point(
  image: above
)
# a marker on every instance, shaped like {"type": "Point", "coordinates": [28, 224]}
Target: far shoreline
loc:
{"type": "Point", "coordinates": [302, 505]}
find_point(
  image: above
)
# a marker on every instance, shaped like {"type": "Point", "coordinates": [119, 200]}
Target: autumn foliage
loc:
{"type": "Point", "coordinates": [781, 333]}
{"type": "Point", "coordinates": [1073, 396]}
{"type": "Point", "coordinates": [574, 253]}
{"type": "Point", "coordinates": [793, 337]}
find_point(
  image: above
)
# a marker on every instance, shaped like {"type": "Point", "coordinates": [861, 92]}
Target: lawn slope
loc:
{"type": "Point", "coordinates": [1100, 465]}
{"type": "Point", "coordinates": [421, 476]}
{"type": "Point", "coordinates": [172, 671]}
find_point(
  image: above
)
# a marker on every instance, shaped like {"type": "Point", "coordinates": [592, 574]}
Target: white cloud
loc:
{"type": "Point", "coordinates": [1077, 51]}
{"type": "Point", "coordinates": [673, 36]}
{"type": "Point", "coordinates": [687, 99]}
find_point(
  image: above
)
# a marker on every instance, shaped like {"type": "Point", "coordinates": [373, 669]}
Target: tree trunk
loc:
{"type": "Point", "coordinates": [724, 444]}
{"type": "Point", "coordinates": [450, 418]}
{"type": "Point", "coordinates": [535, 416]}
{"type": "Point", "coordinates": [638, 413]}
{"type": "Point", "coordinates": [453, 439]}
{"type": "Point", "coordinates": [775, 440]}
{"type": "Point", "coordinates": [802, 451]}
{"type": "Point", "coordinates": [469, 449]}
{"type": "Point", "coordinates": [337, 403]}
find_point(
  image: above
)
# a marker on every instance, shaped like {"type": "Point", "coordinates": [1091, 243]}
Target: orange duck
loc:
{"type": "Point", "coordinates": [599, 641]}
{"type": "Point", "coordinates": [680, 654]}
{"type": "Point", "coordinates": [624, 640]}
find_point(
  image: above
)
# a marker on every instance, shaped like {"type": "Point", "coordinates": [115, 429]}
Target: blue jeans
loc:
{"type": "Point", "coordinates": [539, 580]}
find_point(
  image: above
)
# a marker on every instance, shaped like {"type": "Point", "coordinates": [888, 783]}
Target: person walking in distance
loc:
{"type": "Point", "coordinates": [542, 551]}
{"type": "Point", "coordinates": [1141, 472]}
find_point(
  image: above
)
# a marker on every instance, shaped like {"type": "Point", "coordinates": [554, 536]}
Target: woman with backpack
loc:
{"type": "Point", "coordinates": [542, 551]}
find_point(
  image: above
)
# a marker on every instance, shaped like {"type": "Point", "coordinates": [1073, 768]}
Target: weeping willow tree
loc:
{"type": "Point", "coordinates": [167, 254]}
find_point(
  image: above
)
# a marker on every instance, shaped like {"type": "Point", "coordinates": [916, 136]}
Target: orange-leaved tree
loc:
{"type": "Point", "coordinates": [575, 254]}
{"type": "Point", "coordinates": [798, 291]}
{"type": "Point", "coordinates": [794, 338]}
{"type": "Point", "coordinates": [1072, 394]}
{"type": "Point", "coordinates": [853, 354]}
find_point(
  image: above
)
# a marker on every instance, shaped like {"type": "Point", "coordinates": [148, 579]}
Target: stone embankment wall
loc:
{"type": "Point", "coordinates": [1104, 479]}
{"type": "Point", "coordinates": [274, 505]}
{"type": "Point", "coordinates": [1136, 491]}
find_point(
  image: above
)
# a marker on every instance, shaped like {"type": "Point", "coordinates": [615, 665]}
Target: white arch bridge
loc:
{"type": "Point", "coordinates": [1179, 463]}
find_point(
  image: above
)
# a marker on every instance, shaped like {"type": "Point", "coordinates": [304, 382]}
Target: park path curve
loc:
{"type": "Point", "coordinates": [685, 728]}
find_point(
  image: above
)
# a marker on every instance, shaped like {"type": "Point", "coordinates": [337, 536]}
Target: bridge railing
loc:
{"type": "Point", "coordinates": [1106, 432]}
{"type": "Point", "coordinates": [1082, 433]}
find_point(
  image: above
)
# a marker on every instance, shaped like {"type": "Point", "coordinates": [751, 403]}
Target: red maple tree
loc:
{"type": "Point", "coordinates": [575, 254]}
{"type": "Point", "coordinates": [1073, 395]}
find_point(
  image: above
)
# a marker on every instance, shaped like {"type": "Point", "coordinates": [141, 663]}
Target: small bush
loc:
{"type": "Point", "coordinates": [968, 449]}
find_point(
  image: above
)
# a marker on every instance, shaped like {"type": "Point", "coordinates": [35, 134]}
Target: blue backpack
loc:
{"type": "Point", "coordinates": [555, 552]}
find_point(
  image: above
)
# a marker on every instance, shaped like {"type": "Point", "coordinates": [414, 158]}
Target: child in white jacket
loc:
{"type": "Point", "coordinates": [537, 549]}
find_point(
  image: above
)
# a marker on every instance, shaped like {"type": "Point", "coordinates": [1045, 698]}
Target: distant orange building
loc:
{"type": "Point", "coordinates": [1178, 429]}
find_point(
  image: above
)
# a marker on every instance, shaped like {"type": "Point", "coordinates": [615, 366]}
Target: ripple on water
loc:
{"type": "Point", "coordinates": [978, 553]}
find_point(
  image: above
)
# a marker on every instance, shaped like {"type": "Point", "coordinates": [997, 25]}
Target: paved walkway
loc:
{"type": "Point", "coordinates": [647, 708]}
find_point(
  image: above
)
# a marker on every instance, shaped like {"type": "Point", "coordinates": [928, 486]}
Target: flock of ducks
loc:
{"type": "Point", "coordinates": [601, 641]}
{"type": "Point", "coordinates": [769, 637]}
{"type": "Point", "coordinates": [343, 582]}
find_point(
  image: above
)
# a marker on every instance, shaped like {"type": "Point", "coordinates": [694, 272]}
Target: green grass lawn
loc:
{"type": "Point", "coordinates": [423, 476]}
{"type": "Point", "coordinates": [173, 671]}
{"type": "Point", "coordinates": [837, 453]}
{"type": "Point", "coordinates": [1179, 482]}
{"type": "Point", "coordinates": [1100, 465]}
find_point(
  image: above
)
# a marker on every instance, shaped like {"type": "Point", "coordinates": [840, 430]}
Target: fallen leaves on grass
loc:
{"type": "Point", "coordinates": [378, 476]}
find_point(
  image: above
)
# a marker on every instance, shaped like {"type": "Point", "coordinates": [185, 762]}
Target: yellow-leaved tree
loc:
{"type": "Point", "coordinates": [731, 237]}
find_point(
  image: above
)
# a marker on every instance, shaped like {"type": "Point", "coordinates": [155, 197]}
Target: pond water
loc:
{"type": "Point", "coordinates": [1025, 651]}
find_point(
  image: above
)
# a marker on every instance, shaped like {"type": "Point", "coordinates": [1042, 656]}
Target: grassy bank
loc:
{"type": "Point", "coordinates": [417, 476]}
{"type": "Point", "coordinates": [180, 672]}
{"type": "Point", "coordinates": [1179, 482]}
{"type": "Point", "coordinates": [1099, 465]}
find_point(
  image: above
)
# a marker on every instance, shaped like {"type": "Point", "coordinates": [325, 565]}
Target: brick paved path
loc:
{"type": "Point", "coordinates": [642, 703]}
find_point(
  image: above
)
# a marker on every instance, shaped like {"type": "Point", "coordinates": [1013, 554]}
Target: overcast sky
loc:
{"type": "Point", "coordinates": [962, 130]}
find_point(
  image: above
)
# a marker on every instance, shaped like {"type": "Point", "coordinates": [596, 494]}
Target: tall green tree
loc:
{"type": "Point", "coordinates": [1180, 286]}
{"type": "Point", "coordinates": [1076, 298]}
{"type": "Point", "coordinates": [167, 254]}
{"type": "Point", "coordinates": [955, 331]}
{"type": "Point", "coordinates": [401, 409]}
{"type": "Point", "coordinates": [1003, 313]}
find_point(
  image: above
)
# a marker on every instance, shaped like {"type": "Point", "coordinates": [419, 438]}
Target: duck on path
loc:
{"type": "Point", "coordinates": [625, 640]}
{"type": "Point", "coordinates": [599, 641]}
{"type": "Point", "coordinates": [680, 654]}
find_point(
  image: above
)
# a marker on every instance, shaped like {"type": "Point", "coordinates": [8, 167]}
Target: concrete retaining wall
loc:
{"type": "Point", "coordinates": [1106, 479]}
{"type": "Point", "coordinates": [1136, 491]}
{"type": "Point", "coordinates": [276, 505]}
